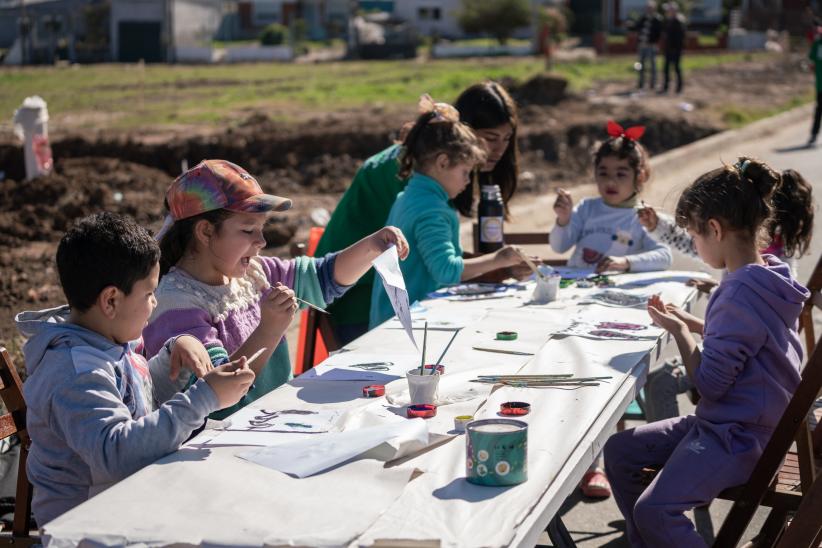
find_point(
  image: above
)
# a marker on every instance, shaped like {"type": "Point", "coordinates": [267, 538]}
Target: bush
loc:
{"type": "Point", "coordinates": [499, 18]}
{"type": "Point", "coordinates": [273, 35]}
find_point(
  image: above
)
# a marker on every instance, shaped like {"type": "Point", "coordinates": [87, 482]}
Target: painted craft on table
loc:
{"type": "Point", "coordinates": [283, 420]}
{"type": "Point", "coordinates": [609, 330]}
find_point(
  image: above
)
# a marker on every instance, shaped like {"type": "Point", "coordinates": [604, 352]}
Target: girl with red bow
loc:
{"type": "Point", "coordinates": [605, 230]}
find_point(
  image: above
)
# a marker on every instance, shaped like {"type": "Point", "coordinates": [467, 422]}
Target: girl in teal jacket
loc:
{"type": "Point", "coordinates": [439, 154]}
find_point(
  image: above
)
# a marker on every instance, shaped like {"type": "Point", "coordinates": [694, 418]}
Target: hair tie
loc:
{"type": "Point", "coordinates": [741, 166]}
{"type": "Point", "coordinates": [632, 133]}
{"type": "Point", "coordinates": [443, 112]}
{"type": "Point", "coordinates": [167, 223]}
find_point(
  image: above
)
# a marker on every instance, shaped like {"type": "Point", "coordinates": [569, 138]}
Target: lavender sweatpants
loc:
{"type": "Point", "coordinates": [698, 459]}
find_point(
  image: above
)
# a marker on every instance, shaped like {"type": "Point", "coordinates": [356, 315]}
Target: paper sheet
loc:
{"type": "Point", "coordinates": [619, 298]}
{"type": "Point", "coordinates": [310, 456]}
{"type": "Point", "coordinates": [387, 266]}
{"type": "Point", "coordinates": [362, 366]}
{"type": "Point", "coordinates": [282, 420]}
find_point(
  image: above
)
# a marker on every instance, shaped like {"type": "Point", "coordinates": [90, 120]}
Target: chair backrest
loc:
{"type": "Point", "coordinates": [514, 238]}
{"type": "Point", "coordinates": [806, 317]}
{"type": "Point", "coordinates": [14, 422]}
{"type": "Point", "coordinates": [769, 463]}
{"type": "Point", "coordinates": [312, 321]}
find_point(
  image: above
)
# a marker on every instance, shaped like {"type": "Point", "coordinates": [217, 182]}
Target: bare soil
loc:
{"type": "Point", "coordinates": [313, 161]}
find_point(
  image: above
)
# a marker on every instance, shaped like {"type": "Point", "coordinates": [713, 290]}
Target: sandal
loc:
{"type": "Point", "coordinates": [595, 484]}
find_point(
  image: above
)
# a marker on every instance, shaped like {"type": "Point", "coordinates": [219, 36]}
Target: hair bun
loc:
{"type": "Point", "coordinates": [760, 174]}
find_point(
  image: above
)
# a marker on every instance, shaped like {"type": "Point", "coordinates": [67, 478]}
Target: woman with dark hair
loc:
{"type": "Point", "coordinates": [489, 110]}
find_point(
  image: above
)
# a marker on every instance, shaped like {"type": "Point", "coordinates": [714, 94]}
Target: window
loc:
{"type": "Point", "coordinates": [429, 14]}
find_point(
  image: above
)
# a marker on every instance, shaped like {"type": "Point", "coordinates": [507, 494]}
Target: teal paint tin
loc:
{"type": "Point", "coordinates": [496, 452]}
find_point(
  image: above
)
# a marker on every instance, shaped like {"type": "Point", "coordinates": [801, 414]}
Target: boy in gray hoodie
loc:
{"type": "Point", "coordinates": [91, 414]}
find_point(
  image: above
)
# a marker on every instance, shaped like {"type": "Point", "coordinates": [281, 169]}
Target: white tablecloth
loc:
{"type": "Point", "coordinates": [205, 495]}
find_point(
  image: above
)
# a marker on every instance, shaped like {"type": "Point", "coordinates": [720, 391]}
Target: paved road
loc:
{"type": "Point", "coordinates": [600, 523]}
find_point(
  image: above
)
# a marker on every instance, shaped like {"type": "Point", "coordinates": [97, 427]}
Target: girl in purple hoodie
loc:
{"type": "Point", "coordinates": [746, 372]}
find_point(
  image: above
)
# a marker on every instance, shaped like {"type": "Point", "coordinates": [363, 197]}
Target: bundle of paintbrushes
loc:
{"type": "Point", "coordinates": [537, 381]}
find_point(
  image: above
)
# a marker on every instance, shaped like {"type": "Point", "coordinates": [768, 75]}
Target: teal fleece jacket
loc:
{"type": "Point", "coordinates": [424, 214]}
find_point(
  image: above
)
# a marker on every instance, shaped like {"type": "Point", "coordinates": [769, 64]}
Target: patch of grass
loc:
{"type": "Point", "coordinates": [616, 39]}
{"type": "Point", "coordinates": [737, 116]}
{"type": "Point", "coordinates": [153, 95]}
{"type": "Point", "coordinates": [708, 40]}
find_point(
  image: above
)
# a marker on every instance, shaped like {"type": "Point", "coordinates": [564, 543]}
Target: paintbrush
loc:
{"type": "Point", "coordinates": [314, 306]}
{"type": "Point", "coordinates": [454, 336]}
{"type": "Point", "coordinates": [549, 378]}
{"type": "Point", "coordinates": [530, 263]}
{"type": "Point", "coordinates": [424, 342]}
{"type": "Point", "coordinates": [501, 351]}
{"type": "Point", "coordinates": [255, 355]}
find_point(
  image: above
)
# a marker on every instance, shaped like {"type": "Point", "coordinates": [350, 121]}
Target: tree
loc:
{"type": "Point", "coordinates": [499, 18]}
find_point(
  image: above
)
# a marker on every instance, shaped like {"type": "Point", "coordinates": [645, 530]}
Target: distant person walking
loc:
{"type": "Point", "coordinates": [674, 31]}
{"type": "Point", "coordinates": [649, 30]}
{"type": "Point", "coordinates": [815, 56]}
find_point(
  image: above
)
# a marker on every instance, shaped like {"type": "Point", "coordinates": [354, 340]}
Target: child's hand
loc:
{"type": "Point", "coordinates": [388, 236]}
{"type": "Point", "coordinates": [230, 382]}
{"type": "Point", "coordinates": [613, 264]}
{"type": "Point", "coordinates": [703, 285]}
{"type": "Point", "coordinates": [648, 218]}
{"type": "Point", "coordinates": [277, 310]}
{"type": "Point", "coordinates": [189, 353]}
{"type": "Point", "coordinates": [563, 206]}
{"type": "Point", "coordinates": [508, 256]}
{"type": "Point", "coordinates": [694, 324]}
{"type": "Point", "coordinates": [662, 317]}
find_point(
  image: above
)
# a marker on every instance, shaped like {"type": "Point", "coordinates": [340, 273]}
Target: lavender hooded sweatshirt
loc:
{"type": "Point", "coordinates": [752, 353]}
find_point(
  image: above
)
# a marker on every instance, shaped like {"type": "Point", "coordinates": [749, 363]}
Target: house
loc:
{"type": "Point", "coordinates": [42, 31]}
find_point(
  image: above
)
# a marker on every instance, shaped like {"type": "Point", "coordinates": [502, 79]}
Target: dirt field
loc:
{"type": "Point", "coordinates": [313, 160]}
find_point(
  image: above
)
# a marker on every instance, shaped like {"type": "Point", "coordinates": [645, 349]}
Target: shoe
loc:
{"type": "Point", "coordinates": [811, 141]}
{"type": "Point", "coordinates": [595, 484]}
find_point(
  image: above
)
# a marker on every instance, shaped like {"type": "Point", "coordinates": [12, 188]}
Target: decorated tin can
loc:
{"type": "Point", "coordinates": [496, 452]}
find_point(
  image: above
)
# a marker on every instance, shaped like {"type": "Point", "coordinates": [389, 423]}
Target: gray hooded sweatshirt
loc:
{"type": "Point", "coordinates": [84, 435]}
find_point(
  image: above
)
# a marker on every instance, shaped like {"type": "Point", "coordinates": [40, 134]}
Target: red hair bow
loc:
{"type": "Point", "coordinates": [632, 133]}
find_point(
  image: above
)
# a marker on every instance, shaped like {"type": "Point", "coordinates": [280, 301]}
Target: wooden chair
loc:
{"type": "Point", "coordinates": [316, 322]}
{"type": "Point", "coordinates": [14, 422]}
{"type": "Point", "coordinates": [782, 479]}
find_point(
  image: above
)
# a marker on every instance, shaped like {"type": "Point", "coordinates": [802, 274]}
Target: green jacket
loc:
{"type": "Point", "coordinates": [362, 210]}
{"type": "Point", "coordinates": [431, 225]}
{"type": "Point", "coordinates": [815, 55]}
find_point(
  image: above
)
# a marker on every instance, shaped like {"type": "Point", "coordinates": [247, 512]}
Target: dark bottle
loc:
{"type": "Point", "coordinates": [491, 213]}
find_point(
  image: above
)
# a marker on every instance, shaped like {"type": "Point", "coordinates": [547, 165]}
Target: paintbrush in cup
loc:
{"type": "Point", "coordinates": [424, 342]}
{"type": "Point", "coordinates": [530, 263]}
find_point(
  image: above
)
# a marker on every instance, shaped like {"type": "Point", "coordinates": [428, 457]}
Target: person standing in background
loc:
{"type": "Point", "coordinates": [649, 30]}
{"type": "Point", "coordinates": [815, 55]}
{"type": "Point", "coordinates": [674, 30]}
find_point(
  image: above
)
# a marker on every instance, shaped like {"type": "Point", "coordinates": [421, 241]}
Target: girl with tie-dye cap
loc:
{"type": "Point", "coordinates": [216, 287]}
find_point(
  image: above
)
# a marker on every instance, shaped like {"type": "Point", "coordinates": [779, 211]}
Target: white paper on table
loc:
{"type": "Point", "coordinates": [304, 421]}
{"type": "Point", "coordinates": [375, 368]}
{"type": "Point", "coordinates": [612, 330]}
{"type": "Point", "coordinates": [309, 456]}
{"type": "Point", "coordinates": [387, 266]}
{"type": "Point", "coordinates": [618, 298]}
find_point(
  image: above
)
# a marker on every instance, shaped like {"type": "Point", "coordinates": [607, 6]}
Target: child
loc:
{"type": "Point", "coordinates": [788, 233]}
{"type": "Point", "coordinates": [605, 230]}
{"type": "Point", "coordinates": [789, 237]}
{"type": "Point", "coordinates": [90, 414]}
{"type": "Point", "coordinates": [439, 153]}
{"type": "Point", "coordinates": [214, 285]}
{"type": "Point", "coordinates": [746, 372]}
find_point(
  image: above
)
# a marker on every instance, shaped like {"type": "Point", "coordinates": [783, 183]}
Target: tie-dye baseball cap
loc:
{"type": "Point", "coordinates": [219, 184]}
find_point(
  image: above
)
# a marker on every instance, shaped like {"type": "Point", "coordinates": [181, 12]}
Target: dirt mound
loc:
{"type": "Point", "coordinates": [543, 89]}
{"type": "Point", "coordinates": [42, 209]}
